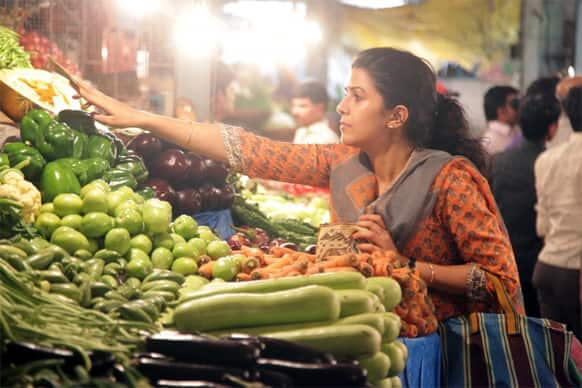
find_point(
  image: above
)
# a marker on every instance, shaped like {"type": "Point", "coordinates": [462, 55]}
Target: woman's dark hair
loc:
{"type": "Point", "coordinates": [434, 121]}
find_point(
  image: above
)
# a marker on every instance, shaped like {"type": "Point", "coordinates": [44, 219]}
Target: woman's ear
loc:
{"type": "Point", "coordinates": [397, 117]}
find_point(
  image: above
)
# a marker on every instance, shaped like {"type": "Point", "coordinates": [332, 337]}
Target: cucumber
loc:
{"type": "Point", "coordinates": [305, 304]}
{"type": "Point", "coordinates": [339, 340]}
{"type": "Point", "coordinates": [377, 366]}
{"type": "Point", "coordinates": [164, 274]}
{"type": "Point", "coordinates": [112, 269]}
{"type": "Point", "coordinates": [133, 312]}
{"type": "Point", "coordinates": [403, 348]}
{"type": "Point", "coordinates": [107, 255]}
{"type": "Point", "coordinates": [53, 276]}
{"type": "Point", "coordinates": [17, 263]}
{"type": "Point", "coordinates": [397, 362]}
{"type": "Point", "coordinates": [114, 295]}
{"type": "Point", "coordinates": [132, 282]}
{"type": "Point", "coordinates": [162, 285]}
{"type": "Point", "coordinates": [99, 288]}
{"type": "Point", "coordinates": [376, 289]}
{"type": "Point", "coordinates": [107, 306]}
{"type": "Point", "coordinates": [356, 302]}
{"type": "Point", "coordinates": [336, 281]}
{"type": "Point", "coordinates": [392, 290]}
{"type": "Point", "coordinates": [25, 245]}
{"type": "Point", "coordinates": [266, 329]}
{"type": "Point", "coordinates": [388, 382]}
{"type": "Point", "coordinates": [110, 280]}
{"type": "Point", "coordinates": [68, 290]}
{"type": "Point", "coordinates": [8, 250]}
{"type": "Point", "coordinates": [83, 254]}
{"type": "Point", "coordinates": [167, 295]}
{"type": "Point", "coordinates": [41, 260]}
{"type": "Point", "coordinates": [374, 320]}
{"type": "Point", "coordinates": [392, 325]}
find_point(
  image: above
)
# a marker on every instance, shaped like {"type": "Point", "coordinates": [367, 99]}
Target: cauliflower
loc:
{"type": "Point", "coordinates": [15, 187]}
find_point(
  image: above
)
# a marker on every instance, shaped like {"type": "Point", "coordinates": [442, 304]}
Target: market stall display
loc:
{"type": "Point", "coordinates": [85, 233]}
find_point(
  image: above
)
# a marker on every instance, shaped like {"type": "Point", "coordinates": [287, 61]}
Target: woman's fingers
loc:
{"type": "Point", "coordinates": [375, 218]}
{"type": "Point", "coordinates": [368, 248]}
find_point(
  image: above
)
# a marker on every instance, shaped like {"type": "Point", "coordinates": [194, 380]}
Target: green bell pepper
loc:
{"type": "Point", "coordinates": [17, 152]}
{"type": "Point", "coordinates": [58, 178]}
{"type": "Point", "coordinates": [32, 129]}
{"type": "Point", "coordinates": [101, 147]}
{"type": "Point", "coordinates": [86, 170]}
{"type": "Point", "coordinates": [133, 163]}
{"type": "Point", "coordinates": [119, 178]}
{"type": "Point", "coordinates": [4, 161]}
{"type": "Point", "coordinates": [96, 168]}
{"type": "Point", "coordinates": [53, 139]}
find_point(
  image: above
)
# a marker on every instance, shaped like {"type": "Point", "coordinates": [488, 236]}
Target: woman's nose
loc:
{"type": "Point", "coordinates": [341, 107]}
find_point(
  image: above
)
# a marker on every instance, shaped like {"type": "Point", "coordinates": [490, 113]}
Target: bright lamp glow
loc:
{"type": "Point", "coordinates": [197, 32]}
{"type": "Point", "coordinates": [375, 4]}
{"type": "Point", "coordinates": [571, 71]}
{"type": "Point", "coordinates": [273, 32]}
{"type": "Point", "coordinates": [139, 8]}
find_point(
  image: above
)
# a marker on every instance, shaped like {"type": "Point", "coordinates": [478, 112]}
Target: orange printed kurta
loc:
{"type": "Point", "coordinates": [464, 226]}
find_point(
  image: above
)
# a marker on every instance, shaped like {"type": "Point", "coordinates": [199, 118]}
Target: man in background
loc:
{"type": "Point", "coordinates": [501, 105]}
{"type": "Point", "coordinates": [558, 179]}
{"type": "Point", "coordinates": [513, 186]}
{"type": "Point", "coordinates": [564, 127]}
{"type": "Point", "coordinates": [308, 107]}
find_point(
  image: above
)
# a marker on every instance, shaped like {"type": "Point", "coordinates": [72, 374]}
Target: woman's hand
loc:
{"type": "Point", "coordinates": [115, 113]}
{"type": "Point", "coordinates": [375, 232]}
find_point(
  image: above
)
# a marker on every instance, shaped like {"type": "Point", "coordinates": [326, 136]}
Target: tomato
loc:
{"type": "Point", "coordinates": [139, 265]}
{"type": "Point", "coordinates": [95, 200]}
{"type": "Point", "coordinates": [118, 239]}
{"type": "Point", "coordinates": [217, 249]}
{"type": "Point", "coordinates": [162, 258]}
{"type": "Point", "coordinates": [184, 249]}
{"type": "Point", "coordinates": [226, 268]}
{"type": "Point", "coordinates": [185, 266]}
{"type": "Point", "coordinates": [199, 244]}
{"type": "Point", "coordinates": [142, 242]}
{"type": "Point", "coordinates": [47, 208]}
{"type": "Point", "coordinates": [131, 220]}
{"type": "Point", "coordinates": [185, 226]}
{"type": "Point", "coordinates": [72, 221]}
{"type": "Point", "coordinates": [69, 239]}
{"type": "Point", "coordinates": [65, 204]}
{"type": "Point", "coordinates": [163, 240]}
{"type": "Point", "coordinates": [96, 224]}
{"type": "Point", "coordinates": [46, 223]}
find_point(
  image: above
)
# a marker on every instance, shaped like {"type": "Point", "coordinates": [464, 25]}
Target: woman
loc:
{"type": "Point", "coordinates": [396, 161]}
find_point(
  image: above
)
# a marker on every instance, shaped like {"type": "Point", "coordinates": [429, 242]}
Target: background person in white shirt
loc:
{"type": "Point", "coordinates": [308, 108]}
{"type": "Point", "coordinates": [558, 174]}
{"type": "Point", "coordinates": [501, 105]}
{"type": "Point", "coordinates": [564, 127]}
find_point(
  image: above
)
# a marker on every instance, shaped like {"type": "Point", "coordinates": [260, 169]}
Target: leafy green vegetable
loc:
{"type": "Point", "coordinates": [12, 55]}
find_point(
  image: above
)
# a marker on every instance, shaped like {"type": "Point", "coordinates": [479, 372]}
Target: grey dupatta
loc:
{"type": "Point", "coordinates": [404, 205]}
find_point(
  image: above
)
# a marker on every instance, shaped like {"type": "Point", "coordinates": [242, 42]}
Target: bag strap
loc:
{"type": "Point", "coordinates": [507, 307]}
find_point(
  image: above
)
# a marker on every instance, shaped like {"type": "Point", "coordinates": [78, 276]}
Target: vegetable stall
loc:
{"type": "Point", "coordinates": [108, 279]}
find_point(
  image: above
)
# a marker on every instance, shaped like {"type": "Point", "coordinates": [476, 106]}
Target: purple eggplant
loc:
{"type": "Point", "coordinates": [146, 145]}
{"type": "Point", "coordinates": [172, 165]}
{"type": "Point", "coordinates": [163, 190]}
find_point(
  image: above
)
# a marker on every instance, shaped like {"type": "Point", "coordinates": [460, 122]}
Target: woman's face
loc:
{"type": "Point", "coordinates": [363, 116]}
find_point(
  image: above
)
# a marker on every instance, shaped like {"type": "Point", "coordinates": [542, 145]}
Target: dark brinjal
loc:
{"type": "Point", "coordinates": [274, 348]}
{"type": "Point", "coordinates": [163, 190]}
{"type": "Point", "coordinates": [203, 349]}
{"type": "Point", "coordinates": [146, 145]}
{"type": "Point", "coordinates": [172, 165]}
{"type": "Point", "coordinates": [316, 375]}
{"type": "Point", "coordinates": [156, 369]}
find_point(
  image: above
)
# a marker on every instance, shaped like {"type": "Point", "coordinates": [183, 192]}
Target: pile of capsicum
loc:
{"type": "Point", "coordinates": [68, 152]}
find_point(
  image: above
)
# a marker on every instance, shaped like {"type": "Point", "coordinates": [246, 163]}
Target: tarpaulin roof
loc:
{"type": "Point", "coordinates": [466, 31]}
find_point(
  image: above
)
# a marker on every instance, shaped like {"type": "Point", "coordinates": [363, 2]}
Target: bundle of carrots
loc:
{"type": "Point", "coordinates": [416, 309]}
{"type": "Point", "coordinates": [284, 262]}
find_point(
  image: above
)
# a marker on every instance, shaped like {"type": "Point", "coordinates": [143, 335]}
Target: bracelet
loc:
{"type": "Point", "coordinates": [432, 273]}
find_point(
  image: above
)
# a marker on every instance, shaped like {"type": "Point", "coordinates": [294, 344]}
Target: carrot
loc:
{"type": "Point", "coordinates": [206, 269]}
{"type": "Point", "coordinates": [313, 269]}
{"type": "Point", "coordinates": [249, 264]}
{"type": "Point", "coordinates": [285, 272]}
{"type": "Point", "coordinates": [242, 277]}
{"type": "Point", "coordinates": [249, 251]}
{"type": "Point", "coordinates": [204, 259]}
{"type": "Point", "coordinates": [279, 251]}
{"type": "Point", "coordinates": [270, 259]}
{"type": "Point", "coordinates": [339, 261]}
{"type": "Point", "coordinates": [367, 270]}
{"type": "Point", "coordinates": [340, 269]}
{"type": "Point", "coordinates": [282, 262]}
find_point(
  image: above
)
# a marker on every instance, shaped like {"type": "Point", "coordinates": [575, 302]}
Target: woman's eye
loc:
{"type": "Point", "coordinates": [357, 97]}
